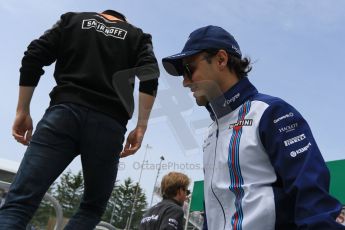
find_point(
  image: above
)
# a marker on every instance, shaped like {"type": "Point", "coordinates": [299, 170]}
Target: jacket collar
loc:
{"type": "Point", "coordinates": [231, 99]}
{"type": "Point", "coordinates": [172, 200]}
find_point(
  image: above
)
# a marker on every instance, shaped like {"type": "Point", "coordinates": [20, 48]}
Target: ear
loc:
{"type": "Point", "coordinates": [222, 58]}
{"type": "Point", "coordinates": [179, 192]}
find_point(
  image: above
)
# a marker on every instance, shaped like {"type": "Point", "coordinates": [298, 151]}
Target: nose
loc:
{"type": "Point", "coordinates": [186, 81]}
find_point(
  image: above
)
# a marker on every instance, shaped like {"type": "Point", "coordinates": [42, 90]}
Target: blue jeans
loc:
{"type": "Point", "coordinates": [65, 131]}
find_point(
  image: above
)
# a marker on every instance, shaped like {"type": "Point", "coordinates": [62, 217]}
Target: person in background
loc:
{"type": "Point", "coordinates": [263, 168]}
{"type": "Point", "coordinates": [96, 55]}
{"type": "Point", "coordinates": [168, 214]}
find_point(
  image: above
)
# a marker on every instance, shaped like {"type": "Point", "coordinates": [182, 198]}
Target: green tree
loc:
{"type": "Point", "coordinates": [120, 205]}
{"type": "Point", "coordinates": [69, 192]}
{"type": "Point", "coordinates": [112, 214]}
{"type": "Point", "coordinates": [140, 207]}
{"type": "Point", "coordinates": [44, 212]}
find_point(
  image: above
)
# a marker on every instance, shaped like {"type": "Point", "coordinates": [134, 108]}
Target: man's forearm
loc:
{"type": "Point", "coordinates": [24, 99]}
{"type": "Point", "coordinates": [145, 106]}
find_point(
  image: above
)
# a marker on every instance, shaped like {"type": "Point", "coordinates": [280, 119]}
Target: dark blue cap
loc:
{"type": "Point", "coordinates": [208, 37]}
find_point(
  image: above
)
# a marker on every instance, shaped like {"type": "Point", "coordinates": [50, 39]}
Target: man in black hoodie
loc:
{"type": "Point", "coordinates": [97, 58]}
{"type": "Point", "coordinates": [168, 214]}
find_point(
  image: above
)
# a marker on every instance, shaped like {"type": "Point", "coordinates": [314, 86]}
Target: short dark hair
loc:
{"type": "Point", "coordinates": [172, 182]}
{"type": "Point", "coordinates": [241, 67]}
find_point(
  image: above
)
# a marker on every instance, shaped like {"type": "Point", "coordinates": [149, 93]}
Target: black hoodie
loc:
{"type": "Point", "coordinates": [96, 62]}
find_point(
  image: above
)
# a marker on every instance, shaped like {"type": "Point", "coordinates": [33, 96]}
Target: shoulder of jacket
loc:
{"type": "Point", "coordinates": [268, 99]}
{"type": "Point", "coordinates": [72, 14]}
{"type": "Point", "coordinates": [138, 30]}
{"type": "Point", "coordinates": [173, 206]}
{"type": "Point", "coordinates": [69, 14]}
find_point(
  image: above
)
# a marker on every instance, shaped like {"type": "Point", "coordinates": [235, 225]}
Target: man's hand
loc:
{"type": "Point", "coordinates": [135, 137]}
{"type": "Point", "coordinates": [341, 218]}
{"type": "Point", "coordinates": [22, 128]}
{"type": "Point", "coordinates": [134, 140]}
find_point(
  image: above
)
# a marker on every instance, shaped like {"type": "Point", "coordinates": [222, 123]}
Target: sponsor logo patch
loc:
{"type": "Point", "coordinates": [301, 150]}
{"type": "Point", "coordinates": [244, 122]}
{"type": "Point", "coordinates": [106, 30]}
{"type": "Point", "coordinates": [173, 223]}
{"type": "Point", "coordinates": [288, 128]}
{"type": "Point", "coordinates": [283, 117]}
{"type": "Point", "coordinates": [294, 140]}
{"type": "Point", "coordinates": [150, 218]}
{"type": "Point", "coordinates": [231, 100]}
{"type": "Point", "coordinates": [236, 49]}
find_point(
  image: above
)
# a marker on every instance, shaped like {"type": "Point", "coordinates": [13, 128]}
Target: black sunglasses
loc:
{"type": "Point", "coordinates": [189, 68]}
{"type": "Point", "coordinates": [187, 191]}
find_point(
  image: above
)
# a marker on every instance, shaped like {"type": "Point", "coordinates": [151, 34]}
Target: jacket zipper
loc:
{"type": "Point", "coordinates": [215, 154]}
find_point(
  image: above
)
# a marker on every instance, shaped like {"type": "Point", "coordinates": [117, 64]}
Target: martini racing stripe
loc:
{"type": "Point", "coordinates": [234, 168]}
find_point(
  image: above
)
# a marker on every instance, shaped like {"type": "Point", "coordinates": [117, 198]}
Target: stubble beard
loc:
{"type": "Point", "coordinates": [201, 100]}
